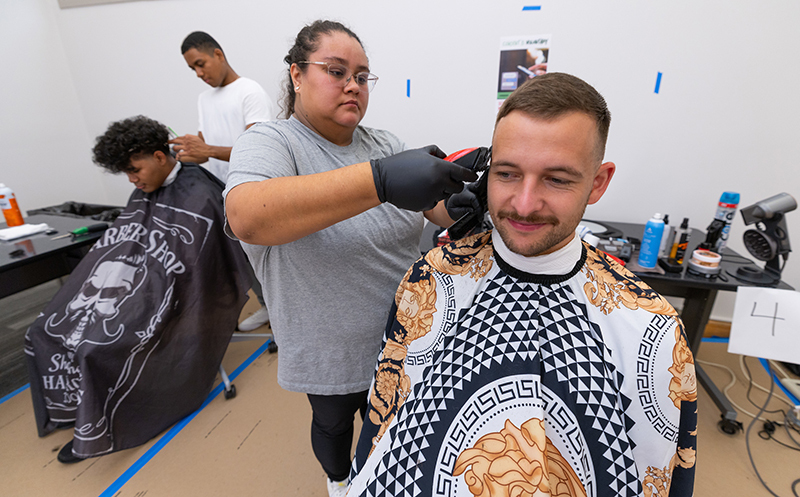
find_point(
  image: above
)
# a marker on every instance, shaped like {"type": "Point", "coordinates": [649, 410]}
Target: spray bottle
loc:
{"type": "Point", "coordinates": [726, 211]}
{"type": "Point", "coordinates": [666, 238]}
{"type": "Point", "coordinates": [681, 241]}
{"type": "Point", "coordinates": [651, 242]}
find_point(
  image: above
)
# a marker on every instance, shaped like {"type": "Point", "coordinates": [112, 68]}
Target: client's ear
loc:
{"type": "Point", "coordinates": [160, 157]}
{"type": "Point", "coordinates": [601, 180]}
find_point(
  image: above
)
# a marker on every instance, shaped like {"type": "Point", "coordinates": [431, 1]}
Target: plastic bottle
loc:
{"type": "Point", "coordinates": [651, 242]}
{"type": "Point", "coordinates": [8, 203]}
{"type": "Point", "coordinates": [666, 241]}
{"type": "Point", "coordinates": [726, 211]}
{"type": "Point", "coordinates": [681, 241]}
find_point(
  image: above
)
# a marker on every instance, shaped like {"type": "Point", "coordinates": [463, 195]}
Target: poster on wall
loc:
{"type": "Point", "coordinates": [521, 58]}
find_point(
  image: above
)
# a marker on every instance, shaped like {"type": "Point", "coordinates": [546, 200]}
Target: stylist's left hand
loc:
{"type": "Point", "coordinates": [465, 202]}
{"type": "Point", "coordinates": [418, 179]}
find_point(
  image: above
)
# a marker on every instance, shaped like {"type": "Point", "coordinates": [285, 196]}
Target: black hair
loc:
{"type": "Point", "coordinates": [202, 41]}
{"type": "Point", "coordinates": [554, 94]}
{"type": "Point", "coordinates": [128, 139]}
{"type": "Point", "coordinates": [306, 43]}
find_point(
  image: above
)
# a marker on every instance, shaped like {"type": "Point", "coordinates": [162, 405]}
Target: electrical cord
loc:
{"type": "Point", "coordinates": [769, 428]}
{"type": "Point", "coordinates": [784, 374]}
{"type": "Point", "coordinates": [748, 376]}
{"type": "Point", "coordinates": [750, 387]}
{"type": "Point", "coordinates": [756, 417]}
{"type": "Point", "coordinates": [787, 424]}
{"type": "Point", "coordinates": [747, 438]}
{"type": "Point", "coordinates": [750, 427]}
{"type": "Point", "coordinates": [728, 387]}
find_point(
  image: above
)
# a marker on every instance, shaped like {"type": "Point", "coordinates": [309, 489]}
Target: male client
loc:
{"type": "Point", "coordinates": [133, 340]}
{"type": "Point", "coordinates": [522, 361]}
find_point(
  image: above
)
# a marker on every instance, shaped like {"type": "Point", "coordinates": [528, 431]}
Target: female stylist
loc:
{"type": "Point", "coordinates": [325, 209]}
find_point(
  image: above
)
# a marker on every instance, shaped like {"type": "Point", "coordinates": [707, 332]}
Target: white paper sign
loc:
{"type": "Point", "coordinates": [766, 324]}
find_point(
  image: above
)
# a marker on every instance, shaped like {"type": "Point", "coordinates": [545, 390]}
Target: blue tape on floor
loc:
{"type": "Point", "coordinates": [15, 392]}
{"type": "Point", "coordinates": [658, 82]}
{"type": "Point", "coordinates": [792, 398]}
{"type": "Point", "coordinates": [532, 7]}
{"type": "Point", "coordinates": [152, 451]}
{"type": "Point", "coordinates": [715, 339]}
{"type": "Point", "coordinates": [408, 88]}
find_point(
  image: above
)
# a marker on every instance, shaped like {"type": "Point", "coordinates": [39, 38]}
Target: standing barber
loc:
{"type": "Point", "coordinates": [325, 210]}
{"type": "Point", "coordinates": [226, 110]}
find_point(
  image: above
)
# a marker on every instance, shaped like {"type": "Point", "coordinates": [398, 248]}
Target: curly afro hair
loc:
{"type": "Point", "coordinates": [127, 139]}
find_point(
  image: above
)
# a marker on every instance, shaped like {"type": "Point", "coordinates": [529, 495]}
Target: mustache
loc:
{"type": "Point", "coordinates": [532, 219]}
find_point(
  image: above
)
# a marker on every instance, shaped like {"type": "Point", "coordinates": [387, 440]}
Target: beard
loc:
{"type": "Point", "coordinates": [552, 234]}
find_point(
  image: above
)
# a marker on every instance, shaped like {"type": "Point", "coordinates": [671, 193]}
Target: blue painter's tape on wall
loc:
{"type": "Point", "coordinates": [408, 88]}
{"type": "Point", "coordinates": [532, 7]}
{"type": "Point", "coordinates": [658, 82]}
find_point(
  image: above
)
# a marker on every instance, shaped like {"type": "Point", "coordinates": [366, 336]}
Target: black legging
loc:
{"type": "Point", "coordinates": [332, 430]}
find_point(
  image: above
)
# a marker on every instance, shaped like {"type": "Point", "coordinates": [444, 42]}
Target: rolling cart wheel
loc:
{"type": "Point", "coordinates": [229, 394]}
{"type": "Point", "coordinates": [729, 427]}
{"type": "Point", "coordinates": [272, 347]}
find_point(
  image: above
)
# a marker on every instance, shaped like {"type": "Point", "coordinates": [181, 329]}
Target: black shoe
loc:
{"type": "Point", "coordinates": [66, 456]}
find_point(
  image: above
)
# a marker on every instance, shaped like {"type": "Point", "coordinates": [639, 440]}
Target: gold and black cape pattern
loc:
{"type": "Point", "coordinates": [496, 382]}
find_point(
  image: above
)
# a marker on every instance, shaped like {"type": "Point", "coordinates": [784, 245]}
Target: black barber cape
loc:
{"type": "Point", "coordinates": [132, 342]}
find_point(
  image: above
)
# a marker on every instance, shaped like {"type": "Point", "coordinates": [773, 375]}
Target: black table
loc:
{"type": "Point", "coordinates": [698, 293]}
{"type": "Point", "coordinates": [40, 258]}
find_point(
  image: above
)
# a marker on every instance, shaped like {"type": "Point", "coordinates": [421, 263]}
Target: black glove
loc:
{"type": "Point", "coordinates": [418, 179]}
{"type": "Point", "coordinates": [466, 202]}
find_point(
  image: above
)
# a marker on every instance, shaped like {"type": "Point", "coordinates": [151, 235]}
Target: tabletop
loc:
{"type": "Point", "coordinates": [32, 260]}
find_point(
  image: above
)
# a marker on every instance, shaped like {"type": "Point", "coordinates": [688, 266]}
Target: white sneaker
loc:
{"type": "Point", "coordinates": [255, 320]}
{"type": "Point", "coordinates": [337, 488]}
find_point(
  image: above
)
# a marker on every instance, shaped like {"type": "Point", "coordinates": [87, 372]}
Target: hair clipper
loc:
{"type": "Point", "coordinates": [476, 159]}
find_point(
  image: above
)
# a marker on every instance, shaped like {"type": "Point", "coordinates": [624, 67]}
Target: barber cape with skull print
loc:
{"type": "Point", "coordinates": [133, 341]}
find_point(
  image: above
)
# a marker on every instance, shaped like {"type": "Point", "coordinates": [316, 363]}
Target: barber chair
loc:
{"type": "Point", "coordinates": [230, 388]}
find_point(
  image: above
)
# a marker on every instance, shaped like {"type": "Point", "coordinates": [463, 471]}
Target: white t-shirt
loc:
{"type": "Point", "coordinates": [225, 113]}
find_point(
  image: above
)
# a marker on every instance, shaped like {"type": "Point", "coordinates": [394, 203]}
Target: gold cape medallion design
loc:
{"type": "Point", "coordinates": [471, 256]}
{"type": "Point", "coordinates": [683, 385]}
{"type": "Point", "coordinates": [611, 285]}
{"type": "Point", "coordinates": [518, 462]}
{"type": "Point", "coordinates": [416, 305]}
{"type": "Point", "coordinates": [657, 481]}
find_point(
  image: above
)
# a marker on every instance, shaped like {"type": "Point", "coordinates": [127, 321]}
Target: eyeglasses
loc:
{"type": "Point", "coordinates": [338, 75]}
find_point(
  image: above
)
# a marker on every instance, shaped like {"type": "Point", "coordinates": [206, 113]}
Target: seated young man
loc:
{"type": "Point", "coordinates": [522, 361]}
{"type": "Point", "coordinates": [132, 342]}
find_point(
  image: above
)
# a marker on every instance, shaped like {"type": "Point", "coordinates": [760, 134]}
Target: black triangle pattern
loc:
{"type": "Point", "coordinates": [502, 325]}
{"type": "Point", "coordinates": [572, 347]}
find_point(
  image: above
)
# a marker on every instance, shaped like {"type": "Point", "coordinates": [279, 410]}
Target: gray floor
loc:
{"type": "Point", "coordinates": [17, 312]}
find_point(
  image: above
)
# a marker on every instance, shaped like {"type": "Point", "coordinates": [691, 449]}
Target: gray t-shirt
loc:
{"type": "Point", "coordinates": [328, 293]}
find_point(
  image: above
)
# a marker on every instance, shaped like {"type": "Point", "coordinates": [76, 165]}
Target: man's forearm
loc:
{"type": "Point", "coordinates": [220, 153]}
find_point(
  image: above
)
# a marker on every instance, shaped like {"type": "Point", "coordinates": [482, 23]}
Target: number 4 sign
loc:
{"type": "Point", "coordinates": [766, 324]}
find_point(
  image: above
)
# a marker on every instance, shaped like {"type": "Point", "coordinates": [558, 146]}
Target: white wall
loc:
{"type": "Point", "coordinates": [726, 116]}
{"type": "Point", "coordinates": [43, 134]}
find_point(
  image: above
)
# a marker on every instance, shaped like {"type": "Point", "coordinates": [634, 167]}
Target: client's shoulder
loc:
{"type": "Point", "coordinates": [471, 255]}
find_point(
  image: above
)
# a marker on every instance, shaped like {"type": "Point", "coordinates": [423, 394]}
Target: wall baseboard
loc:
{"type": "Point", "coordinates": [717, 329]}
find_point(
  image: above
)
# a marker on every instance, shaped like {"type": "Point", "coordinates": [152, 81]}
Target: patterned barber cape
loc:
{"type": "Point", "coordinates": [495, 381]}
